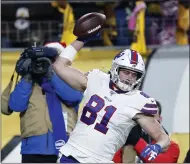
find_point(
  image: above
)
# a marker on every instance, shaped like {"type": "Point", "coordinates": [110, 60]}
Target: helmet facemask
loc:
{"type": "Point", "coordinates": [125, 85]}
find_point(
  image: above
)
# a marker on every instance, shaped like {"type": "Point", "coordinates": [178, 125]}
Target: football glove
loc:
{"type": "Point", "coordinates": [151, 151]}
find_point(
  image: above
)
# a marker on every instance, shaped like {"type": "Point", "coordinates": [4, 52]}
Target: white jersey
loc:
{"type": "Point", "coordinates": [106, 120]}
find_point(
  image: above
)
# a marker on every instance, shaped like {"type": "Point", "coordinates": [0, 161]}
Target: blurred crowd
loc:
{"type": "Point", "coordinates": [136, 23]}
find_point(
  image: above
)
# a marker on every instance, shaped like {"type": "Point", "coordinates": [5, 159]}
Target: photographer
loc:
{"type": "Point", "coordinates": [48, 106]}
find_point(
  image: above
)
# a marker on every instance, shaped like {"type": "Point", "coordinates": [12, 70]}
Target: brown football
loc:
{"type": "Point", "coordinates": [89, 24]}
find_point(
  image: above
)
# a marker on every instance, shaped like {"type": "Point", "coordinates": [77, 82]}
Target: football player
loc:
{"type": "Point", "coordinates": [113, 105]}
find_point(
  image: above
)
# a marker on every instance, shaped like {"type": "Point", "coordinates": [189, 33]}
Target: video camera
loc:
{"type": "Point", "coordinates": [40, 57]}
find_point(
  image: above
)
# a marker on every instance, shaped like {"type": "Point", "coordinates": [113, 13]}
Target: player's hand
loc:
{"type": "Point", "coordinates": [88, 38]}
{"type": "Point", "coordinates": [151, 151]}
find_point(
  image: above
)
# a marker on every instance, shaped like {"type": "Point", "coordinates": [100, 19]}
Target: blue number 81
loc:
{"type": "Point", "coordinates": [94, 105]}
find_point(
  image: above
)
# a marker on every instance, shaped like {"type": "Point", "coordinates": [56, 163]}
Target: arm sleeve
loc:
{"type": "Point", "coordinates": [20, 96]}
{"type": "Point", "coordinates": [65, 91]}
{"type": "Point", "coordinates": [170, 156]}
{"type": "Point", "coordinates": [187, 158]}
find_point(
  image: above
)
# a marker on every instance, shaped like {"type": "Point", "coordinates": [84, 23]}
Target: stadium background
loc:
{"type": "Point", "coordinates": [99, 57]}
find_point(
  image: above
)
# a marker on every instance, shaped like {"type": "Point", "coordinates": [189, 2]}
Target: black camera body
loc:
{"type": "Point", "coordinates": [40, 59]}
{"type": "Point", "coordinates": [39, 67]}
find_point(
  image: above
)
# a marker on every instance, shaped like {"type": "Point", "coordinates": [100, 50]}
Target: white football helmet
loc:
{"type": "Point", "coordinates": [130, 60]}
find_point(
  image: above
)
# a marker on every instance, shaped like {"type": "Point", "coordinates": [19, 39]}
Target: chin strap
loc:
{"type": "Point", "coordinates": [115, 88]}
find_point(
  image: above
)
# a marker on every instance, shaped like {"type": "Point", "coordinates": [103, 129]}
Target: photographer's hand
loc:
{"type": "Point", "coordinates": [50, 72]}
{"type": "Point", "coordinates": [27, 77]}
{"type": "Point", "coordinates": [23, 66]}
{"type": "Point", "coordinates": [23, 69]}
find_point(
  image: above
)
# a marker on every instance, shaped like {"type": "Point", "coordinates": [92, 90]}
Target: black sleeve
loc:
{"type": "Point", "coordinates": [134, 135]}
{"type": "Point", "coordinates": [187, 158]}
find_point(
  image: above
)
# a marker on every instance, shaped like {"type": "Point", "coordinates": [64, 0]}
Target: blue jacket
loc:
{"type": "Point", "coordinates": [18, 102]}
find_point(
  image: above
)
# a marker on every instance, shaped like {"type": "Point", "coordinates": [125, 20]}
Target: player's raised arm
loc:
{"type": "Point", "coordinates": [86, 28]}
{"type": "Point", "coordinates": [72, 76]}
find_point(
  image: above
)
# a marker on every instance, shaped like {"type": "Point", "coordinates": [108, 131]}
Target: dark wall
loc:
{"type": "Point", "coordinates": [44, 11]}
{"type": "Point", "coordinates": [37, 11]}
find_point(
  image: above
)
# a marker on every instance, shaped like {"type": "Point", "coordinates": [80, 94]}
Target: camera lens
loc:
{"type": "Point", "coordinates": [39, 66]}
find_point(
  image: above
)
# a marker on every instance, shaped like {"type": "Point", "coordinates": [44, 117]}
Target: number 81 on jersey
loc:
{"type": "Point", "coordinates": [95, 105]}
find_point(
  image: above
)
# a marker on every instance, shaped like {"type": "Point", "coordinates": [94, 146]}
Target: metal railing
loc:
{"type": "Point", "coordinates": [38, 31]}
{"type": "Point", "coordinates": [156, 30]}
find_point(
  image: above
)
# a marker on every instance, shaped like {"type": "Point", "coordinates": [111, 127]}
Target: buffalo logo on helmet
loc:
{"type": "Point", "coordinates": [119, 54]}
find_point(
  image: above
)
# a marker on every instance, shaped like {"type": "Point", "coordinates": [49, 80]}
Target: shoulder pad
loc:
{"type": "Point", "coordinates": [93, 71]}
{"type": "Point", "coordinates": [141, 102]}
{"type": "Point", "coordinates": [149, 106]}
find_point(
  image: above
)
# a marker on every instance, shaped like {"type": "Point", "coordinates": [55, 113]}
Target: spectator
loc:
{"type": "Point", "coordinates": [109, 33]}
{"type": "Point", "coordinates": [169, 11]}
{"type": "Point", "coordinates": [22, 26]}
{"type": "Point", "coordinates": [68, 20]}
{"type": "Point", "coordinates": [183, 23]}
{"type": "Point", "coordinates": [167, 22]}
{"type": "Point", "coordinates": [123, 10]}
{"type": "Point", "coordinates": [137, 19]}
{"type": "Point", "coordinates": [153, 14]}
{"type": "Point", "coordinates": [137, 141]}
{"type": "Point", "coordinates": [42, 105]}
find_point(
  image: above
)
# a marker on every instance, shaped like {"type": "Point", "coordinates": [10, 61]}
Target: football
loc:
{"type": "Point", "coordinates": [89, 24]}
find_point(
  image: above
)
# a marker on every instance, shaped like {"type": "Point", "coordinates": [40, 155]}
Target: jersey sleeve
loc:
{"type": "Point", "coordinates": [141, 103]}
{"type": "Point", "coordinates": [150, 107]}
{"type": "Point", "coordinates": [148, 104]}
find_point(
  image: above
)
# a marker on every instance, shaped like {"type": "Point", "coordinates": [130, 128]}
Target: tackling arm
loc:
{"type": "Point", "coordinates": [169, 156]}
{"type": "Point", "coordinates": [153, 129]}
{"type": "Point", "coordinates": [63, 69]}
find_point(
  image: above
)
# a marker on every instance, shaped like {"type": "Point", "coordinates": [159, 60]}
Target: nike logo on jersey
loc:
{"type": "Point", "coordinates": [107, 99]}
{"type": "Point", "coordinates": [112, 92]}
